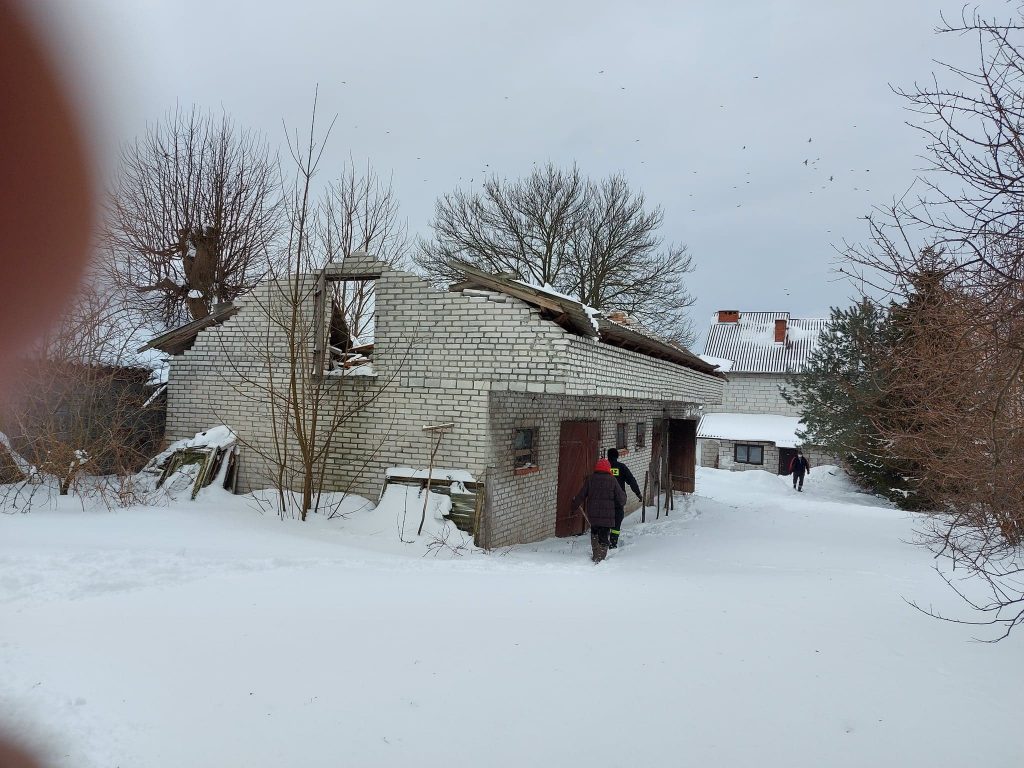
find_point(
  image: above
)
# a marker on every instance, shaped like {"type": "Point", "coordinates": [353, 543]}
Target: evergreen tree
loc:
{"type": "Point", "coordinates": [841, 394]}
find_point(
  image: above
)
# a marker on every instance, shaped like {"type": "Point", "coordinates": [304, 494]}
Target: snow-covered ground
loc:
{"type": "Point", "coordinates": [753, 627]}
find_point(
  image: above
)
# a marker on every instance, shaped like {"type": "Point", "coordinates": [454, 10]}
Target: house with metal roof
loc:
{"type": "Point", "coordinates": [754, 427]}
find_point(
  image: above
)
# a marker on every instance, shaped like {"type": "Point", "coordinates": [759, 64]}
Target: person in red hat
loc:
{"type": "Point", "coordinates": [602, 493]}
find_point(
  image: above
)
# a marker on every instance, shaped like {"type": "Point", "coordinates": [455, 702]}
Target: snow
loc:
{"type": "Point", "coordinates": [214, 437]}
{"type": "Point", "coordinates": [437, 473]}
{"type": "Point", "coordinates": [724, 364]}
{"type": "Point", "coordinates": [753, 627]}
{"type": "Point", "coordinates": [756, 427]}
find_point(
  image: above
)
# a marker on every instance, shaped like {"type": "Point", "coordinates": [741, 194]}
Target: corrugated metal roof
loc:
{"type": "Point", "coordinates": [750, 342]}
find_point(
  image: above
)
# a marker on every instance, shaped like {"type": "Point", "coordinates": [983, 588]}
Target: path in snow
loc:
{"type": "Point", "coordinates": [754, 626]}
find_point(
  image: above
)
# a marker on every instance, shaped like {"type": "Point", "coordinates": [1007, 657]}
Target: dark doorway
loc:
{"type": "Point", "coordinates": [682, 454]}
{"type": "Point", "coordinates": [656, 468]}
{"type": "Point", "coordinates": [785, 459]}
{"type": "Point", "coordinates": [578, 446]}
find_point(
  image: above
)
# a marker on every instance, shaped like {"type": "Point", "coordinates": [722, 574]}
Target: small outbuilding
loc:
{"type": "Point", "coordinates": [534, 385]}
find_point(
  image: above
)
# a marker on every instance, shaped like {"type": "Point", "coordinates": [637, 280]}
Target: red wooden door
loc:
{"type": "Point", "coordinates": [682, 454]}
{"type": "Point", "coordinates": [578, 446]}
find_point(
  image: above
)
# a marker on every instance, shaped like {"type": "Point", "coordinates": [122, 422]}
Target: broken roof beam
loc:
{"type": "Point", "coordinates": [618, 335]}
{"type": "Point", "coordinates": [178, 340]}
{"type": "Point", "coordinates": [578, 321]}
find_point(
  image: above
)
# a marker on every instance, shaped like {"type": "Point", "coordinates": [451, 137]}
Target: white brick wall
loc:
{"type": "Point", "coordinates": [754, 393]}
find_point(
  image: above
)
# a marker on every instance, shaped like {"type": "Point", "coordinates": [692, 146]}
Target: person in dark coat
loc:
{"type": "Point", "coordinates": [621, 473]}
{"type": "Point", "coordinates": [799, 466]}
{"type": "Point", "coordinates": [602, 494]}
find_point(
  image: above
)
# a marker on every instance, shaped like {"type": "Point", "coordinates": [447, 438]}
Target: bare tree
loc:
{"type": "Point", "coordinates": [525, 227]}
{"type": "Point", "coordinates": [83, 404]}
{"type": "Point", "coordinates": [951, 255]}
{"type": "Point", "coordinates": [360, 213]}
{"type": "Point", "coordinates": [193, 215]}
{"type": "Point", "coordinates": [619, 262]}
{"type": "Point", "coordinates": [597, 241]}
{"type": "Point", "coordinates": [279, 363]}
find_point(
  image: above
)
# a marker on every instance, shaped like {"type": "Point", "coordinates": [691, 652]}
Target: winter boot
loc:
{"type": "Point", "coordinates": [613, 539]}
{"type": "Point", "coordinates": [595, 546]}
{"type": "Point", "coordinates": [602, 552]}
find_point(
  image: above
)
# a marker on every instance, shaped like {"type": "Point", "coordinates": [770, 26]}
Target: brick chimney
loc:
{"type": "Point", "coordinates": [728, 315]}
{"type": "Point", "coordinates": [780, 330]}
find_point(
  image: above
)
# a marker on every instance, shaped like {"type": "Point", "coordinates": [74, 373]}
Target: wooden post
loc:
{"type": "Point", "coordinates": [439, 430]}
{"type": "Point", "coordinates": [643, 501]}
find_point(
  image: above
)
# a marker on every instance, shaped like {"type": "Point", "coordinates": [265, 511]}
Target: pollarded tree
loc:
{"type": "Point", "coordinates": [192, 216]}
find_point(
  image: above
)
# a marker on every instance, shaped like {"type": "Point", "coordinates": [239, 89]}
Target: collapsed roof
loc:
{"type": "Point", "coordinates": [576, 317]}
{"type": "Point", "coordinates": [572, 315]}
{"type": "Point", "coordinates": [178, 340]}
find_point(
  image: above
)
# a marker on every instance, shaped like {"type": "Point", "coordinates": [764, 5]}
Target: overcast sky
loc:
{"type": "Point", "coordinates": [711, 108]}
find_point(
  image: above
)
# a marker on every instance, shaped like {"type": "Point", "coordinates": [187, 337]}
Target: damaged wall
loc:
{"type": "Point", "coordinates": [439, 356]}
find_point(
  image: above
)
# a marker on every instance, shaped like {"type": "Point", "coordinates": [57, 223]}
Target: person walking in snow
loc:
{"type": "Point", "coordinates": [602, 495]}
{"type": "Point", "coordinates": [621, 473]}
{"type": "Point", "coordinates": [799, 466]}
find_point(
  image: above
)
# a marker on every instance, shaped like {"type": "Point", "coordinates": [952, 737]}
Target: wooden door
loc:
{"type": "Point", "coordinates": [656, 467]}
{"type": "Point", "coordinates": [785, 457]}
{"type": "Point", "coordinates": [682, 454]}
{"type": "Point", "coordinates": [578, 447]}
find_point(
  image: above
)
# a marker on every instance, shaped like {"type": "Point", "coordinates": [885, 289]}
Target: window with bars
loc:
{"type": "Point", "coordinates": [641, 434]}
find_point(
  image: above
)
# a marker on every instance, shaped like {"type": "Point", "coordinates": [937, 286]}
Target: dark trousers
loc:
{"type": "Point", "coordinates": [620, 512]}
{"type": "Point", "coordinates": [601, 531]}
{"type": "Point", "coordinates": [798, 476]}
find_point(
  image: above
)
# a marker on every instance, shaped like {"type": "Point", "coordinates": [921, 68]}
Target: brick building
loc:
{"type": "Point", "coordinates": [754, 427]}
{"type": "Point", "coordinates": [535, 385]}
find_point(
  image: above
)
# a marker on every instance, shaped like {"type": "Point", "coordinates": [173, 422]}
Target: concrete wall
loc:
{"type": "Point", "coordinates": [439, 357]}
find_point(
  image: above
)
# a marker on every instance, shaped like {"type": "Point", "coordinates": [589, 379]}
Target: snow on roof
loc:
{"type": "Point", "coordinates": [756, 427]}
{"type": "Point", "coordinates": [724, 364]}
{"type": "Point", "coordinates": [750, 342]}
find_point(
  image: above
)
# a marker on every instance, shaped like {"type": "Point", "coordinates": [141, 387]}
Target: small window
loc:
{"type": "Point", "coordinates": [620, 436]}
{"type": "Point", "coordinates": [749, 454]}
{"type": "Point", "coordinates": [524, 444]}
{"type": "Point", "coordinates": [641, 434]}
